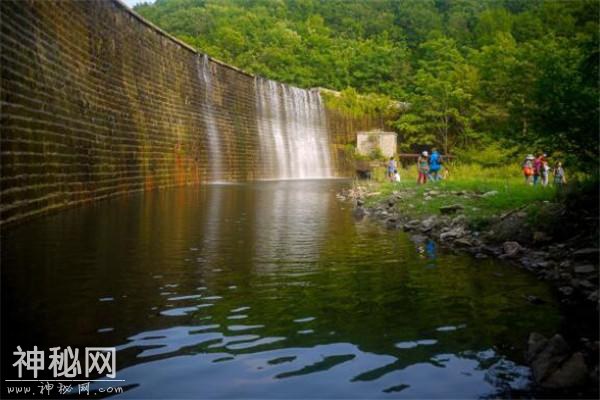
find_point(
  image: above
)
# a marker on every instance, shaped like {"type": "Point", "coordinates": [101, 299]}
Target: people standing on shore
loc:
{"type": "Point", "coordinates": [391, 169]}
{"type": "Point", "coordinates": [528, 169]}
{"type": "Point", "coordinates": [559, 175]}
{"type": "Point", "coordinates": [545, 172]}
{"type": "Point", "coordinates": [537, 167]}
{"type": "Point", "coordinates": [435, 164]}
{"type": "Point", "coordinates": [423, 167]}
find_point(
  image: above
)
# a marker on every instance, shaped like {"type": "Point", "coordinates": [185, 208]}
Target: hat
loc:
{"type": "Point", "coordinates": [425, 153]}
{"type": "Point", "coordinates": [530, 157]}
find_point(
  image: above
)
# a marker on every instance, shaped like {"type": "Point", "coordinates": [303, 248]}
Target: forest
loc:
{"type": "Point", "coordinates": [485, 79]}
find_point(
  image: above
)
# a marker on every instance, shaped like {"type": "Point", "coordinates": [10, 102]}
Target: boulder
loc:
{"type": "Point", "coordinates": [451, 209]}
{"type": "Point", "coordinates": [589, 253]}
{"type": "Point", "coordinates": [391, 223]}
{"type": "Point", "coordinates": [571, 373]}
{"type": "Point", "coordinates": [511, 249]}
{"type": "Point", "coordinates": [535, 344]}
{"type": "Point", "coordinates": [566, 290]}
{"type": "Point", "coordinates": [548, 357]}
{"type": "Point", "coordinates": [584, 269]}
{"type": "Point", "coordinates": [541, 237]}
{"type": "Point", "coordinates": [360, 202]}
{"type": "Point", "coordinates": [418, 239]}
{"type": "Point", "coordinates": [490, 193]}
{"type": "Point", "coordinates": [359, 213]}
{"type": "Point", "coordinates": [452, 233]}
{"type": "Point", "coordinates": [410, 225]}
{"type": "Point", "coordinates": [513, 227]}
{"type": "Point", "coordinates": [428, 224]}
{"type": "Point", "coordinates": [463, 242]}
{"type": "Point", "coordinates": [582, 283]}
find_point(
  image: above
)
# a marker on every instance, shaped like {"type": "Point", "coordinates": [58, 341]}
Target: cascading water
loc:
{"type": "Point", "coordinates": [214, 141]}
{"type": "Point", "coordinates": [292, 132]}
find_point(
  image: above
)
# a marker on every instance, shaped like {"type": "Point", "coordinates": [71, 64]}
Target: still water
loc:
{"type": "Point", "coordinates": [266, 290]}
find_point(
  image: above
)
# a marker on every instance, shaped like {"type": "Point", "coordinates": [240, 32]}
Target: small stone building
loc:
{"type": "Point", "coordinates": [367, 142]}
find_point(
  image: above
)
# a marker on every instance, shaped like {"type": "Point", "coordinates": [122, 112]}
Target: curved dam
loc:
{"type": "Point", "coordinates": [98, 102]}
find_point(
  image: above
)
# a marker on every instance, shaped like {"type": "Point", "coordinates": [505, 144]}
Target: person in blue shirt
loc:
{"type": "Point", "coordinates": [435, 165]}
{"type": "Point", "coordinates": [391, 169]}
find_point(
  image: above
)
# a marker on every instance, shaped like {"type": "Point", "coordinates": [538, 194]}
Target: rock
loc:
{"type": "Point", "coordinates": [534, 299]}
{"type": "Point", "coordinates": [481, 256]}
{"type": "Point", "coordinates": [535, 344]}
{"type": "Point", "coordinates": [584, 269]}
{"type": "Point", "coordinates": [511, 249]}
{"type": "Point", "coordinates": [434, 193]}
{"type": "Point", "coordinates": [451, 209]}
{"type": "Point", "coordinates": [427, 198]}
{"type": "Point", "coordinates": [418, 239]}
{"type": "Point", "coordinates": [566, 290]}
{"type": "Point", "coordinates": [565, 264]}
{"type": "Point", "coordinates": [541, 237]}
{"type": "Point", "coordinates": [459, 220]}
{"type": "Point", "coordinates": [490, 193]}
{"type": "Point", "coordinates": [463, 242]}
{"type": "Point", "coordinates": [590, 253]}
{"type": "Point", "coordinates": [359, 213]}
{"type": "Point", "coordinates": [549, 358]}
{"type": "Point", "coordinates": [428, 224]}
{"type": "Point", "coordinates": [411, 225]}
{"type": "Point", "coordinates": [593, 297]}
{"type": "Point", "coordinates": [566, 276]}
{"type": "Point", "coordinates": [452, 234]}
{"type": "Point", "coordinates": [492, 250]}
{"type": "Point", "coordinates": [391, 223]}
{"type": "Point", "coordinates": [571, 373]}
{"type": "Point", "coordinates": [512, 228]}
{"type": "Point", "coordinates": [360, 202]}
{"type": "Point", "coordinates": [582, 283]}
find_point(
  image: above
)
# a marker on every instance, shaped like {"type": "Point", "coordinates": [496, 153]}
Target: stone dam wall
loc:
{"type": "Point", "coordinates": [97, 102]}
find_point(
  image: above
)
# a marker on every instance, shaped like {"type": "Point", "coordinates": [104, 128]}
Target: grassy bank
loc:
{"type": "Point", "coordinates": [484, 193]}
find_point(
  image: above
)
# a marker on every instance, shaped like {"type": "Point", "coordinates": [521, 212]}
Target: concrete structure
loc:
{"type": "Point", "coordinates": [367, 142]}
{"type": "Point", "coordinates": [97, 102]}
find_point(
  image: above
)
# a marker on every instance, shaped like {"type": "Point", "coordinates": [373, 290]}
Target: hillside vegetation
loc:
{"type": "Point", "coordinates": [510, 75]}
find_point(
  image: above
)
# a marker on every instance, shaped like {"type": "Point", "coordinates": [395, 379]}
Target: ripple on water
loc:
{"type": "Point", "coordinates": [177, 312]}
{"type": "Point", "coordinates": [239, 328]}
{"type": "Point", "coordinates": [415, 343]}
{"type": "Point", "coordinates": [302, 320]}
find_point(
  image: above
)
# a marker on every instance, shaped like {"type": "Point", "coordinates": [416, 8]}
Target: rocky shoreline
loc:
{"type": "Point", "coordinates": [559, 364]}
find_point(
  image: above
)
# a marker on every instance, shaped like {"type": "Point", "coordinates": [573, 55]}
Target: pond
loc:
{"type": "Point", "coordinates": [266, 290]}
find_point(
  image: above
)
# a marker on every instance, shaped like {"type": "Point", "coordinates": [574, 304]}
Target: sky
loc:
{"type": "Point", "coordinates": [132, 3]}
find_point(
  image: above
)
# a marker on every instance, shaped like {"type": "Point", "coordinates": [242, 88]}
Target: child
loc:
{"type": "Point", "coordinates": [423, 167]}
{"type": "Point", "coordinates": [559, 175]}
{"type": "Point", "coordinates": [396, 176]}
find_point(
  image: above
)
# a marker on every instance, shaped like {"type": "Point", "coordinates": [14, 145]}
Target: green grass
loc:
{"type": "Point", "coordinates": [512, 194]}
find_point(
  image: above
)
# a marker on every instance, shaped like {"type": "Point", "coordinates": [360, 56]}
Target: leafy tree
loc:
{"type": "Point", "coordinates": [443, 107]}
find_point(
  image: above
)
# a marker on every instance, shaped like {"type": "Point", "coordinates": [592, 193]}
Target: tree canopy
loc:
{"type": "Point", "coordinates": [520, 72]}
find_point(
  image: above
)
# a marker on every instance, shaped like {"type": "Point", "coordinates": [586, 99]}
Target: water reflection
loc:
{"type": "Point", "coordinates": [266, 290]}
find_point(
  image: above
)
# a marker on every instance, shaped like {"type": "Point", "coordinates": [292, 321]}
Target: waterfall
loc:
{"type": "Point", "coordinates": [292, 132]}
{"type": "Point", "coordinates": [214, 141]}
